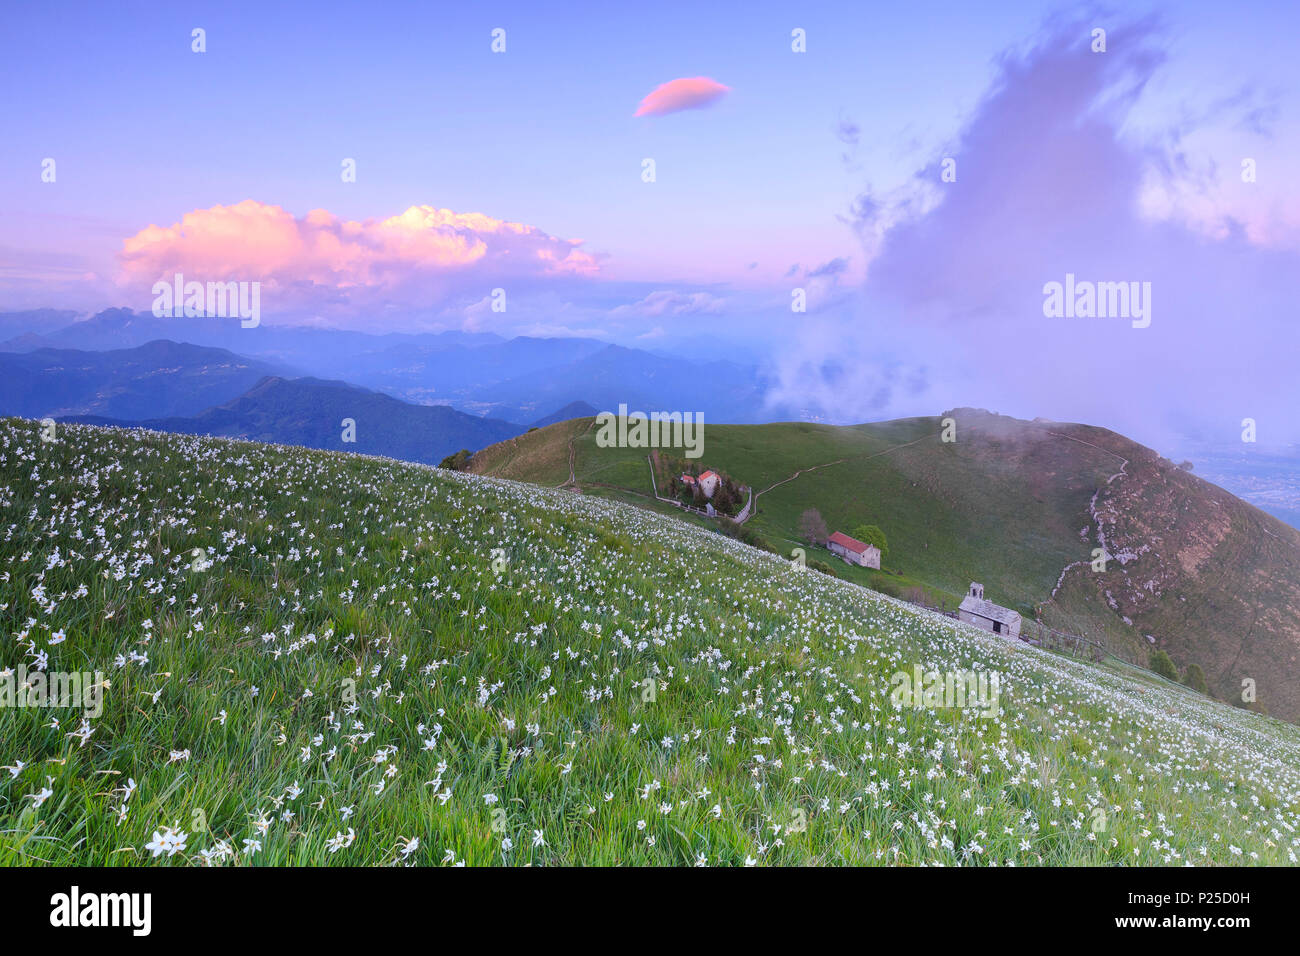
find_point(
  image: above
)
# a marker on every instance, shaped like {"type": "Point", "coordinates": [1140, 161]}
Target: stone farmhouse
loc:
{"type": "Point", "coordinates": [984, 614]}
{"type": "Point", "coordinates": [854, 551]}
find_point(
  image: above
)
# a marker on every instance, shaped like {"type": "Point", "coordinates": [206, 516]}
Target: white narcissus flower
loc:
{"type": "Point", "coordinates": [169, 841]}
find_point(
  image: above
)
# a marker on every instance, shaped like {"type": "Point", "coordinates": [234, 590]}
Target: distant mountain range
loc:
{"type": "Point", "coordinates": [157, 379]}
{"type": "Point", "coordinates": [193, 389]}
{"type": "Point", "coordinates": [721, 391]}
{"type": "Point", "coordinates": [322, 414]}
{"type": "Point", "coordinates": [123, 328]}
{"type": "Point", "coordinates": [572, 410]}
{"type": "Point", "coordinates": [32, 324]}
{"type": "Point", "coordinates": [517, 380]}
{"type": "Point", "coordinates": [54, 364]}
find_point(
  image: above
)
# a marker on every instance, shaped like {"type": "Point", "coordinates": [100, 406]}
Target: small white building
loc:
{"type": "Point", "coordinates": [987, 615]}
{"type": "Point", "coordinates": [709, 482]}
{"type": "Point", "coordinates": [854, 551]}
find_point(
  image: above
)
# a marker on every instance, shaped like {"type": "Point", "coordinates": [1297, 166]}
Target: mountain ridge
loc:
{"type": "Point", "coordinates": [333, 416]}
{"type": "Point", "coordinates": [160, 376]}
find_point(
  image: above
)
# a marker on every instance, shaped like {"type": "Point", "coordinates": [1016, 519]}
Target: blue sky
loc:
{"type": "Point", "coordinates": [825, 157]}
{"type": "Point", "coordinates": [144, 130]}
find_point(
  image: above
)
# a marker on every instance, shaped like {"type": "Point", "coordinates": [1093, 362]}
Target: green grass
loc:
{"type": "Point", "coordinates": [540, 456]}
{"type": "Point", "coordinates": [381, 649]}
{"type": "Point", "coordinates": [1207, 578]}
{"type": "Point", "coordinates": [953, 512]}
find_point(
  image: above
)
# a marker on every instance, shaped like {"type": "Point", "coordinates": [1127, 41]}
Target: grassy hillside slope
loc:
{"type": "Point", "coordinates": [1200, 574]}
{"type": "Point", "coordinates": [322, 658]}
{"type": "Point", "coordinates": [1209, 577]}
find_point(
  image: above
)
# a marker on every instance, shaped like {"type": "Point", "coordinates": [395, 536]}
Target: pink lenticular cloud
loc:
{"type": "Point", "coordinates": [687, 93]}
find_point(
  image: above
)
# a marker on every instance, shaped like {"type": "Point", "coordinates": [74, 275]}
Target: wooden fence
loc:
{"type": "Point", "coordinates": [740, 518]}
{"type": "Point", "coordinates": [1049, 638]}
{"type": "Point", "coordinates": [1076, 645]}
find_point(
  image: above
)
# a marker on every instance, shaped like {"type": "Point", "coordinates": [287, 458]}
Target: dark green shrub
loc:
{"type": "Point", "coordinates": [456, 462]}
{"type": "Point", "coordinates": [1163, 665]}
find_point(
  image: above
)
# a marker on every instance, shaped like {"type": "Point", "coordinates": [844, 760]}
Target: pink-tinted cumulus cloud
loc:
{"type": "Point", "coordinates": [424, 251]}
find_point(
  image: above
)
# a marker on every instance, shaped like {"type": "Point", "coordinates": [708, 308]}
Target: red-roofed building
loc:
{"type": "Point", "coordinates": [707, 482]}
{"type": "Point", "coordinates": [854, 551]}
